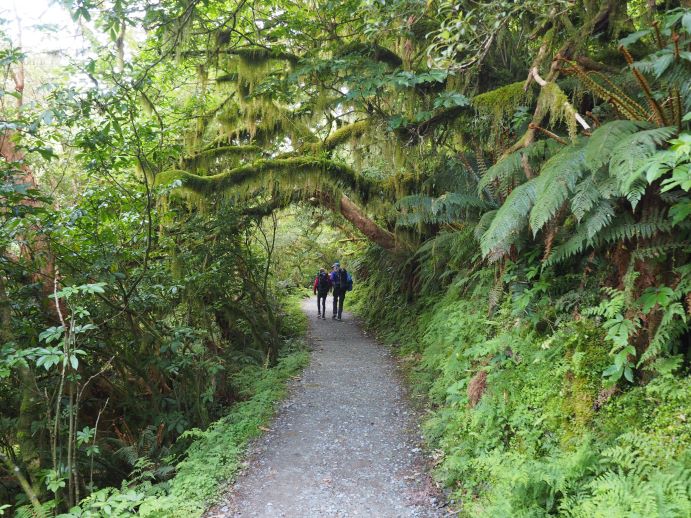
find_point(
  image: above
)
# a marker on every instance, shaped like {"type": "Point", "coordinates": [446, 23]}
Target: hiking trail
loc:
{"type": "Point", "coordinates": [345, 443]}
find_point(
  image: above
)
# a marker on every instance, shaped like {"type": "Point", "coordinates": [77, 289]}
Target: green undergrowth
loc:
{"type": "Point", "coordinates": [520, 420]}
{"type": "Point", "coordinates": [214, 455]}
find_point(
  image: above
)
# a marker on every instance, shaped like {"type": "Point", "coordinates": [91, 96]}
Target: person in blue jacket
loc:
{"type": "Point", "coordinates": [341, 282]}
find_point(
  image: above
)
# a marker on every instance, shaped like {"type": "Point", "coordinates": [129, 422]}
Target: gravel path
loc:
{"type": "Point", "coordinates": [345, 444]}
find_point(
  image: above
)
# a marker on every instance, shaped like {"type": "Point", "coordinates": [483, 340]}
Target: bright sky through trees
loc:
{"type": "Point", "coordinates": [34, 17]}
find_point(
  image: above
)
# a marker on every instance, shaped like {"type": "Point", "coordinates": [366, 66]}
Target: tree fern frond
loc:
{"type": "Point", "coordinates": [600, 218]}
{"type": "Point", "coordinates": [632, 151]}
{"type": "Point", "coordinates": [509, 170]}
{"type": "Point", "coordinates": [557, 180]}
{"type": "Point", "coordinates": [586, 195]}
{"type": "Point", "coordinates": [447, 208]}
{"type": "Point", "coordinates": [509, 221]}
{"type": "Point", "coordinates": [635, 192]}
{"type": "Point", "coordinates": [572, 246]}
{"type": "Point", "coordinates": [607, 138]}
{"type": "Point", "coordinates": [626, 229]}
{"type": "Point", "coordinates": [484, 223]}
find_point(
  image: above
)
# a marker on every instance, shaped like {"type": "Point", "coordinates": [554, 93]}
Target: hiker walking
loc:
{"type": "Point", "coordinates": [341, 281]}
{"type": "Point", "coordinates": [322, 286]}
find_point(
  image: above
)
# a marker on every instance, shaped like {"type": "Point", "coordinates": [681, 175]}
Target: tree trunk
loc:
{"type": "Point", "coordinates": [364, 224]}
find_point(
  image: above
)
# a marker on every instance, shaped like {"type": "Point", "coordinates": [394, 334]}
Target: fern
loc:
{"type": "Point", "coordinates": [600, 218]}
{"type": "Point", "coordinates": [484, 223]}
{"type": "Point", "coordinates": [586, 195]}
{"type": "Point", "coordinates": [605, 140]}
{"type": "Point", "coordinates": [562, 172]}
{"type": "Point", "coordinates": [639, 481]}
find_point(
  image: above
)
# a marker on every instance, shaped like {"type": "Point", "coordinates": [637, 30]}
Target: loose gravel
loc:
{"type": "Point", "coordinates": [344, 444]}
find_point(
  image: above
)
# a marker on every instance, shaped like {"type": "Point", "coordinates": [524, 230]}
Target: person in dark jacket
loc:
{"type": "Point", "coordinates": [322, 286]}
{"type": "Point", "coordinates": [339, 282]}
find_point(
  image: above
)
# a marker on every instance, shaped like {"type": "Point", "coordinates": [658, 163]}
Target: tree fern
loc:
{"type": "Point", "coordinates": [561, 173]}
{"type": "Point", "coordinates": [483, 224]}
{"type": "Point", "coordinates": [607, 138]}
{"type": "Point", "coordinates": [625, 228]}
{"type": "Point", "coordinates": [600, 218]}
{"type": "Point", "coordinates": [574, 245]}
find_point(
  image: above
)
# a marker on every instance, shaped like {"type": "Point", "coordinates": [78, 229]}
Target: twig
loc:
{"type": "Point", "coordinates": [93, 443]}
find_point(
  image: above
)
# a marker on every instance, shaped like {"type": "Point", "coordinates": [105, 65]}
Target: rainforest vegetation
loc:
{"type": "Point", "coordinates": [507, 181]}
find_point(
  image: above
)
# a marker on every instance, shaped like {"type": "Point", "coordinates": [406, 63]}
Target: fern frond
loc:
{"type": "Point", "coordinates": [557, 180]}
{"type": "Point", "coordinates": [510, 220]}
{"type": "Point", "coordinates": [509, 171]}
{"type": "Point", "coordinates": [586, 195]}
{"type": "Point", "coordinates": [572, 246]}
{"type": "Point", "coordinates": [626, 229]}
{"type": "Point", "coordinates": [600, 218]}
{"type": "Point", "coordinates": [631, 152]}
{"type": "Point", "coordinates": [448, 208]}
{"type": "Point", "coordinates": [483, 224]}
{"type": "Point", "coordinates": [607, 138]}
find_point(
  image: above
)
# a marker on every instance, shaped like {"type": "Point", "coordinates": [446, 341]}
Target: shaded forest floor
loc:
{"type": "Point", "coordinates": [346, 443]}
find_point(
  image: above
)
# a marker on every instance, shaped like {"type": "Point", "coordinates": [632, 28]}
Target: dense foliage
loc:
{"type": "Point", "coordinates": [520, 170]}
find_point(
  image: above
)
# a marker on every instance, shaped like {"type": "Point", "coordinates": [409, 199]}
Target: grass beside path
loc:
{"type": "Point", "coordinates": [215, 456]}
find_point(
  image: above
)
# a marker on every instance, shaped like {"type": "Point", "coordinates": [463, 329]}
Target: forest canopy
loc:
{"type": "Point", "coordinates": [510, 181]}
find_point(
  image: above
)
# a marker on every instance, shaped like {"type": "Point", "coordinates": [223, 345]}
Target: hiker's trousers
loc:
{"type": "Point", "coordinates": [339, 297]}
{"type": "Point", "coordinates": [321, 303]}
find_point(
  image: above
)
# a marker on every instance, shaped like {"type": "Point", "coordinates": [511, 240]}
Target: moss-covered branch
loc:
{"type": "Point", "coordinates": [419, 129]}
{"type": "Point", "coordinates": [345, 133]}
{"type": "Point", "coordinates": [249, 54]}
{"type": "Point", "coordinates": [301, 172]}
{"type": "Point", "coordinates": [307, 176]}
{"type": "Point", "coordinates": [374, 51]}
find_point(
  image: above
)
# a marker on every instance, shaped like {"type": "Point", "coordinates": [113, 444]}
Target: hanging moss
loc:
{"type": "Point", "coordinates": [500, 104]}
{"type": "Point", "coordinates": [503, 101]}
{"type": "Point", "coordinates": [204, 158]}
{"type": "Point", "coordinates": [258, 56]}
{"type": "Point", "coordinates": [552, 99]}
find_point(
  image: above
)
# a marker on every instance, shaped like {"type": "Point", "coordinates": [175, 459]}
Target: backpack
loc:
{"type": "Point", "coordinates": [323, 283]}
{"type": "Point", "coordinates": [349, 282]}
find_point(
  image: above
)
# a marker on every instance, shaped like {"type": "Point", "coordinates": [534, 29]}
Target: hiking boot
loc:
{"type": "Point", "coordinates": [319, 315]}
{"type": "Point", "coordinates": [323, 317]}
{"type": "Point", "coordinates": [339, 318]}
